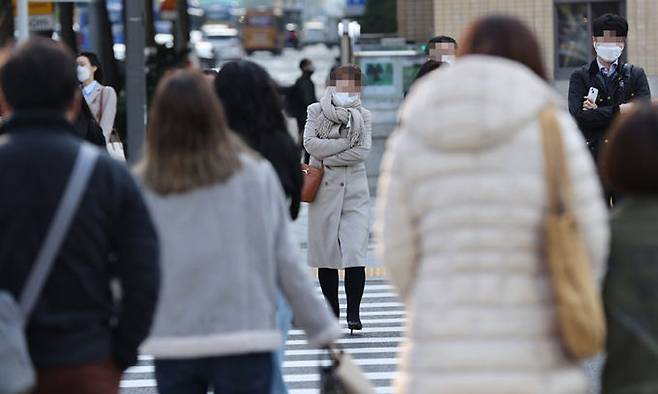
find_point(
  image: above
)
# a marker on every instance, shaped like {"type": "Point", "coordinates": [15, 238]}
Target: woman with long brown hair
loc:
{"type": "Point", "coordinates": [460, 221]}
{"type": "Point", "coordinates": [226, 249]}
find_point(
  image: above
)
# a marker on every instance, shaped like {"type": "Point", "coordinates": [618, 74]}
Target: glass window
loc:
{"type": "Point", "coordinates": [573, 31]}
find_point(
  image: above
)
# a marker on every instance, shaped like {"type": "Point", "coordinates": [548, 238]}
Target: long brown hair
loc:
{"type": "Point", "coordinates": [188, 142]}
{"type": "Point", "coordinates": [506, 37]}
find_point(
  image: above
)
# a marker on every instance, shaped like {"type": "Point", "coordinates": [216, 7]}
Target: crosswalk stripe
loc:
{"type": "Point", "coordinates": [396, 329]}
{"type": "Point", "coordinates": [351, 340]}
{"type": "Point", "coordinates": [313, 377]}
{"type": "Point", "coordinates": [320, 352]}
{"type": "Point", "coordinates": [286, 364]}
{"type": "Point", "coordinates": [376, 348]}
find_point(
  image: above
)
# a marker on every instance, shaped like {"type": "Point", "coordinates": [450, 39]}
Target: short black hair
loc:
{"type": "Point", "coordinates": [629, 161]}
{"type": "Point", "coordinates": [610, 22]}
{"type": "Point", "coordinates": [96, 62]}
{"type": "Point", "coordinates": [438, 39]}
{"type": "Point", "coordinates": [39, 75]}
{"type": "Point", "coordinates": [305, 62]}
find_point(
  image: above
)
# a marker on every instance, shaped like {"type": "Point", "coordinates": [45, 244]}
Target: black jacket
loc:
{"type": "Point", "coordinates": [303, 95]}
{"type": "Point", "coordinates": [629, 84]}
{"type": "Point", "coordinates": [75, 320]}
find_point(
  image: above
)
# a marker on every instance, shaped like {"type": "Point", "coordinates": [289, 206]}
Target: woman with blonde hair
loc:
{"type": "Point", "coordinates": [460, 221]}
{"type": "Point", "coordinates": [226, 249]}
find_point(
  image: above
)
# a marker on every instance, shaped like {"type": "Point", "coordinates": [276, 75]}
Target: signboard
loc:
{"type": "Point", "coordinates": [355, 7]}
{"type": "Point", "coordinates": [41, 15]}
{"type": "Point", "coordinates": [168, 10]}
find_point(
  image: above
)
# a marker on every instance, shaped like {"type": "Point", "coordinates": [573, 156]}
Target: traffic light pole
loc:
{"type": "Point", "coordinates": [135, 79]}
{"type": "Point", "coordinates": [22, 20]}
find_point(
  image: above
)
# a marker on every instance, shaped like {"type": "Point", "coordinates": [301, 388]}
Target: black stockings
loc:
{"type": "Point", "coordinates": [355, 281]}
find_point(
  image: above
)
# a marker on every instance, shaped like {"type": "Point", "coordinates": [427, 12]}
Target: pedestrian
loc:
{"type": "Point", "coordinates": [301, 95]}
{"type": "Point", "coordinates": [338, 136]}
{"type": "Point", "coordinates": [629, 165]}
{"type": "Point", "coordinates": [226, 249]}
{"type": "Point", "coordinates": [617, 85]}
{"type": "Point", "coordinates": [441, 49]}
{"type": "Point", "coordinates": [80, 339]}
{"type": "Point", "coordinates": [87, 126]}
{"type": "Point", "coordinates": [102, 100]}
{"type": "Point", "coordinates": [460, 221]}
{"type": "Point", "coordinates": [425, 69]}
{"type": "Point", "coordinates": [253, 110]}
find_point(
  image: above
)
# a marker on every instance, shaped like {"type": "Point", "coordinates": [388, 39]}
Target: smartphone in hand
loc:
{"type": "Point", "coordinates": [593, 94]}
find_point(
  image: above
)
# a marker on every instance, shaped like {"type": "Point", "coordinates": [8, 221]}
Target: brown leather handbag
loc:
{"type": "Point", "coordinates": [312, 180]}
{"type": "Point", "coordinates": [578, 302]}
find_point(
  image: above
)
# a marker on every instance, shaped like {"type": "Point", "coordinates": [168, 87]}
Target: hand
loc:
{"type": "Point", "coordinates": [589, 104]}
{"type": "Point", "coordinates": [626, 107]}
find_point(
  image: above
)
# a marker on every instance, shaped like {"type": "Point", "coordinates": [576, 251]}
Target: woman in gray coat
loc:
{"type": "Point", "coordinates": [338, 136]}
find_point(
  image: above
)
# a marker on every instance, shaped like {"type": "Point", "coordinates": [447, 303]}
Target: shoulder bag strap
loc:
{"type": "Point", "coordinates": [68, 204]}
{"type": "Point", "coordinates": [99, 114]}
{"type": "Point", "coordinates": [557, 178]}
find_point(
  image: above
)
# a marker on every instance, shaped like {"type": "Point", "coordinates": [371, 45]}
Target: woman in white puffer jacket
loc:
{"type": "Point", "coordinates": [462, 198]}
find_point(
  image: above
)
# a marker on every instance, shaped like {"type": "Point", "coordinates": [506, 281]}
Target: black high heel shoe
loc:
{"type": "Point", "coordinates": [354, 326]}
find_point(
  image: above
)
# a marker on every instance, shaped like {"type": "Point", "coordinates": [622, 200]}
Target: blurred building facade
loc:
{"type": "Point", "coordinates": [562, 26]}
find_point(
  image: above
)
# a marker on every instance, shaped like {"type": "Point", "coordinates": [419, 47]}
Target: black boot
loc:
{"type": "Point", "coordinates": [355, 281]}
{"type": "Point", "coordinates": [329, 284]}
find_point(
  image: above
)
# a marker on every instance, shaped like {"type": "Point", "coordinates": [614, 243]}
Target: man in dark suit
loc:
{"type": "Point", "coordinates": [620, 85]}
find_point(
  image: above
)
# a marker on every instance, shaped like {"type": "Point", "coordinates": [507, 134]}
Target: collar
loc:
{"type": "Point", "coordinates": [89, 89]}
{"type": "Point", "coordinates": [612, 69]}
{"type": "Point", "coordinates": [48, 121]}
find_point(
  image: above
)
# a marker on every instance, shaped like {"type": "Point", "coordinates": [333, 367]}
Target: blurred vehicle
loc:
{"type": "Point", "coordinates": [203, 49]}
{"type": "Point", "coordinates": [261, 31]}
{"type": "Point", "coordinates": [318, 32]}
{"type": "Point", "coordinates": [314, 33]}
{"type": "Point", "coordinates": [225, 42]}
{"type": "Point", "coordinates": [292, 36]}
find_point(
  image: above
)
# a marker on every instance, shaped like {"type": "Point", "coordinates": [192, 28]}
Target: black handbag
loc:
{"type": "Point", "coordinates": [343, 376]}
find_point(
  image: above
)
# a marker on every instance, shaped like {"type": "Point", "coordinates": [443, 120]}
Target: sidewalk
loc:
{"type": "Point", "coordinates": [300, 226]}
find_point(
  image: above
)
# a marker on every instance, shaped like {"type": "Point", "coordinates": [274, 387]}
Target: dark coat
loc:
{"type": "Point", "coordinates": [112, 236]}
{"type": "Point", "coordinates": [631, 299]}
{"type": "Point", "coordinates": [302, 95]}
{"type": "Point", "coordinates": [629, 84]}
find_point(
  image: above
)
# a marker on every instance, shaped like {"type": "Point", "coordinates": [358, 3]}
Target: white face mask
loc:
{"type": "Point", "coordinates": [343, 99]}
{"type": "Point", "coordinates": [608, 51]}
{"type": "Point", "coordinates": [83, 74]}
{"type": "Point", "coordinates": [450, 59]}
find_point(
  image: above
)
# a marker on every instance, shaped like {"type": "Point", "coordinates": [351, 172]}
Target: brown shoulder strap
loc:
{"type": "Point", "coordinates": [555, 167]}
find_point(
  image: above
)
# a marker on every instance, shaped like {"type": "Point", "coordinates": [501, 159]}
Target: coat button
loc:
{"type": "Point", "coordinates": [326, 183]}
{"type": "Point", "coordinates": [342, 184]}
{"type": "Point", "coordinates": [609, 98]}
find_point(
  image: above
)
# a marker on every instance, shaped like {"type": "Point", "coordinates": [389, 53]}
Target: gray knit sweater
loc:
{"type": "Point", "coordinates": [226, 249]}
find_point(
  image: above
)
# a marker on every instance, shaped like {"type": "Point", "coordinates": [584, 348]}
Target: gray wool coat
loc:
{"type": "Point", "coordinates": [338, 218]}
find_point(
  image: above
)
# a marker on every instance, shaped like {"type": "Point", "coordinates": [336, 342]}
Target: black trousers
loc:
{"type": "Point", "coordinates": [355, 282]}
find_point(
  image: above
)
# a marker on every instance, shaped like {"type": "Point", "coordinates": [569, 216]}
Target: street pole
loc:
{"type": "Point", "coordinates": [135, 79]}
{"type": "Point", "coordinates": [345, 44]}
{"type": "Point", "coordinates": [22, 20]}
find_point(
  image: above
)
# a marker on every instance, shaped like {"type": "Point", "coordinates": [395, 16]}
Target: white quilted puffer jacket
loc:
{"type": "Point", "coordinates": [462, 197]}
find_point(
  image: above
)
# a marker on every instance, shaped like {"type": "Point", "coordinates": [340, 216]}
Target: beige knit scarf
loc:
{"type": "Point", "coordinates": [332, 118]}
